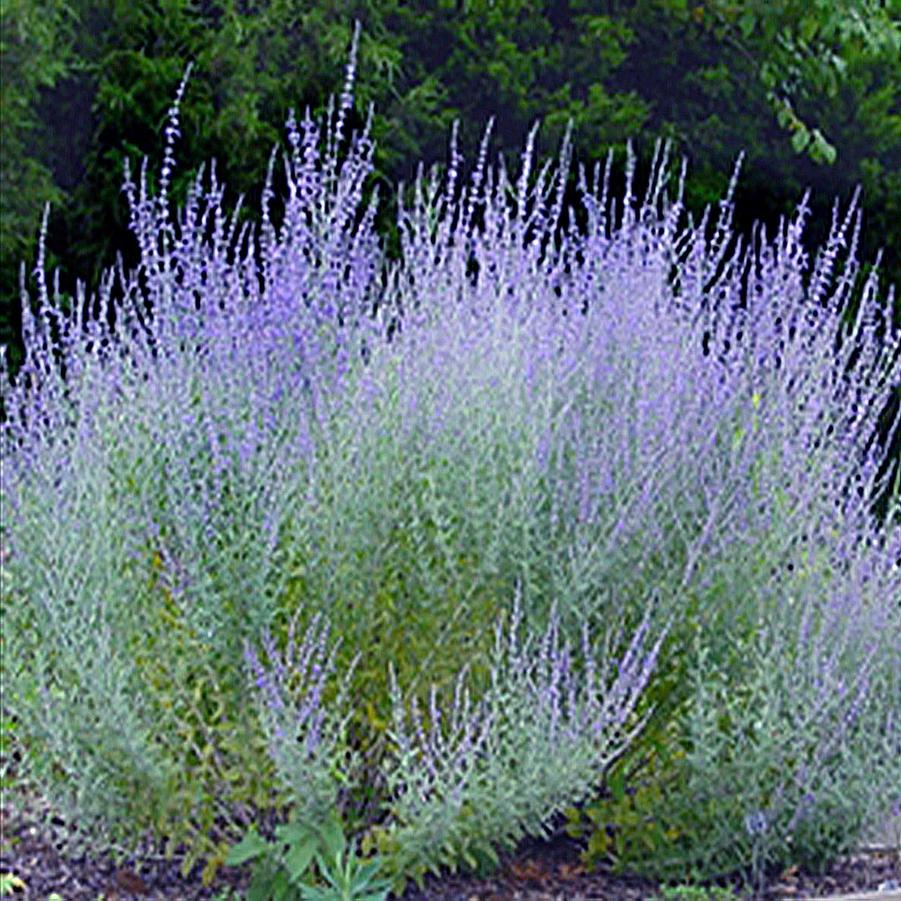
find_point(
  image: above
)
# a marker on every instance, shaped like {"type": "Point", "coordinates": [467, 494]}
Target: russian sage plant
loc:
{"type": "Point", "coordinates": [254, 435]}
{"type": "Point", "coordinates": [484, 774]}
{"type": "Point", "coordinates": [306, 743]}
{"type": "Point", "coordinates": [154, 459]}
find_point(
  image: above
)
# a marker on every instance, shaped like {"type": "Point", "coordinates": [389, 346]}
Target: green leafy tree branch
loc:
{"type": "Point", "coordinates": [800, 48]}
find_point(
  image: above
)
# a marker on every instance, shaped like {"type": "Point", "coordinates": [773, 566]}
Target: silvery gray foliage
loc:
{"type": "Point", "coordinates": [487, 773]}
{"type": "Point", "coordinates": [307, 737]}
{"type": "Point", "coordinates": [157, 445]}
{"type": "Point", "coordinates": [800, 741]}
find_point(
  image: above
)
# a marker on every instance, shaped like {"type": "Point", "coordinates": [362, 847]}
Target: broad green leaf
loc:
{"type": "Point", "coordinates": [332, 837]}
{"type": "Point", "coordinates": [281, 887]}
{"type": "Point", "coordinates": [800, 140]}
{"type": "Point", "coordinates": [262, 886]}
{"type": "Point", "coordinates": [808, 28]}
{"type": "Point", "coordinates": [822, 151]}
{"type": "Point", "coordinates": [294, 833]}
{"type": "Point", "coordinates": [297, 860]}
{"type": "Point", "coordinates": [747, 22]}
{"type": "Point", "coordinates": [784, 116]}
{"type": "Point", "coordinates": [251, 846]}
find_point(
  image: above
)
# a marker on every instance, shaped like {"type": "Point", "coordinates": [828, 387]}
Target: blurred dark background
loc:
{"type": "Point", "coordinates": [811, 91]}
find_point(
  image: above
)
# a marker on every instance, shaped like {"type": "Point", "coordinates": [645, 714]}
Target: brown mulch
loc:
{"type": "Point", "coordinates": [34, 852]}
{"type": "Point", "coordinates": [539, 870]}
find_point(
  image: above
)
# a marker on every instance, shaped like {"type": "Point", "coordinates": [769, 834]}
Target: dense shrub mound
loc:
{"type": "Point", "coordinates": [537, 519]}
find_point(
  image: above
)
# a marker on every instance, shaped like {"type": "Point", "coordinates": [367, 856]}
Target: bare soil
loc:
{"type": "Point", "coordinates": [539, 870]}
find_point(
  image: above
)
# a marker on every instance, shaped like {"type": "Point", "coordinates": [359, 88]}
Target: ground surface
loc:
{"type": "Point", "coordinates": [538, 871]}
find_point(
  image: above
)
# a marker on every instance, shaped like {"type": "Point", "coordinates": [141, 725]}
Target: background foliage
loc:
{"type": "Point", "coordinates": [809, 90]}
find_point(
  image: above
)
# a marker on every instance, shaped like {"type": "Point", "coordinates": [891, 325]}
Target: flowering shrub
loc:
{"type": "Point", "coordinates": [538, 736]}
{"type": "Point", "coordinates": [634, 438]}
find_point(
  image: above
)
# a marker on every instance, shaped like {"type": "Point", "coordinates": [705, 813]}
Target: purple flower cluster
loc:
{"type": "Point", "coordinates": [305, 738]}
{"type": "Point", "coordinates": [487, 773]}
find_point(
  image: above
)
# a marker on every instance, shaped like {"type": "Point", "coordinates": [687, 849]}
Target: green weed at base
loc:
{"type": "Point", "coordinates": [287, 869]}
